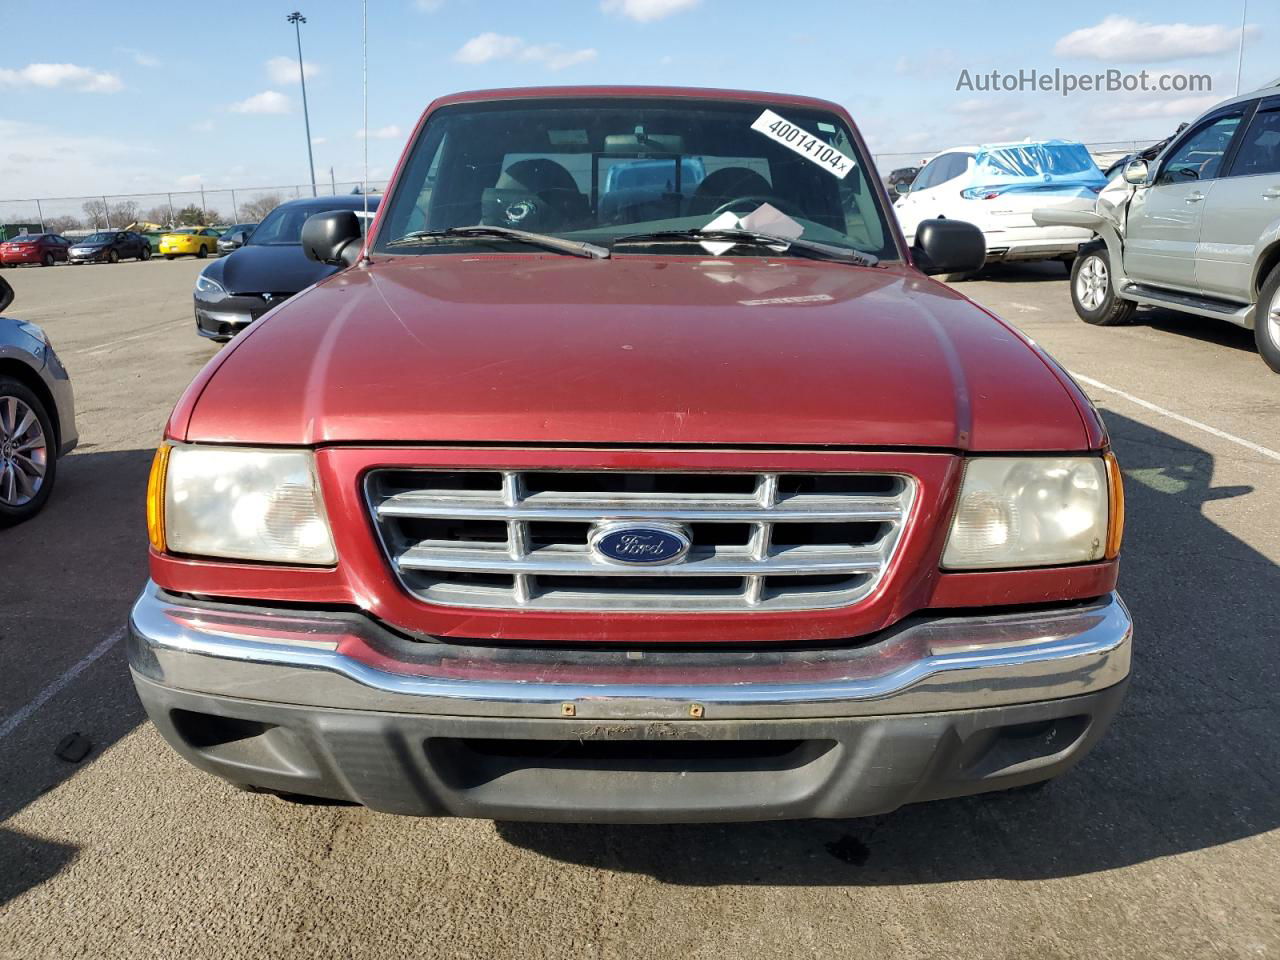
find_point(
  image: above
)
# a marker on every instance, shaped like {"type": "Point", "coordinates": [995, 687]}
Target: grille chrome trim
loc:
{"type": "Point", "coordinates": [454, 564]}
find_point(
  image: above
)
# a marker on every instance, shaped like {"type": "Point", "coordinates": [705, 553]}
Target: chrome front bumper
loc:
{"type": "Point", "coordinates": [291, 657]}
{"type": "Point", "coordinates": [334, 705]}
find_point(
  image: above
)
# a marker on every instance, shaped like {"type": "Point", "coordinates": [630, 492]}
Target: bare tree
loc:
{"type": "Point", "coordinates": [62, 224]}
{"type": "Point", "coordinates": [253, 211]}
{"type": "Point", "coordinates": [160, 214]}
{"type": "Point", "coordinates": [101, 215]}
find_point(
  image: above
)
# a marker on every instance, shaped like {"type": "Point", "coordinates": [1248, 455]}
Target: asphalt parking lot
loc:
{"type": "Point", "coordinates": [1164, 843]}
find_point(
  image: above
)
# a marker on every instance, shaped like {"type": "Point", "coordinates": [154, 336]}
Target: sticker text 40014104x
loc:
{"type": "Point", "coordinates": [803, 143]}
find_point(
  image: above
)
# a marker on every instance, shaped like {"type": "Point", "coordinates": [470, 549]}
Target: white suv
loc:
{"type": "Point", "coordinates": [1197, 230]}
{"type": "Point", "coordinates": [996, 187]}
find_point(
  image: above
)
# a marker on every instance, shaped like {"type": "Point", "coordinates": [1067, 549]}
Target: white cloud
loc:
{"type": "Point", "coordinates": [645, 11]}
{"type": "Point", "coordinates": [140, 57]}
{"type": "Point", "coordinates": [557, 58]}
{"type": "Point", "coordinates": [61, 75]}
{"type": "Point", "coordinates": [1124, 40]}
{"type": "Point", "coordinates": [269, 101]}
{"type": "Point", "coordinates": [316, 141]}
{"type": "Point", "coordinates": [428, 6]}
{"type": "Point", "coordinates": [190, 180]}
{"type": "Point", "coordinates": [202, 126]}
{"type": "Point", "coordinates": [67, 164]}
{"type": "Point", "coordinates": [389, 132]}
{"type": "Point", "coordinates": [486, 47]}
{"type": "Point", "coordinates": [284, 70]}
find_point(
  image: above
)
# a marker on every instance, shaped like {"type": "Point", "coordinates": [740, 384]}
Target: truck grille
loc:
{"type": "Point", "coordinates": [523, 540]}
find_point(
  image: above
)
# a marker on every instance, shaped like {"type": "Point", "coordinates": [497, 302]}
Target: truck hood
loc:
{"type": "Point", "coordinates": [637, 350]}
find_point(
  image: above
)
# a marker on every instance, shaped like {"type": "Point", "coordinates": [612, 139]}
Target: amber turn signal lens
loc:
{"type": "Point", "coordinates": [1115, 494]}
{"type": "Point", "coordinates": [155, 498]}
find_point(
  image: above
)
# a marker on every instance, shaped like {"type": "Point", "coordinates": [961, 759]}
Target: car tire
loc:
{"type": "Point", "coordinates": [170, 256]}
{"type": "Point", "coordinates": [202, 252]}
{"type": "Point", "coordinates": [144, 254]}
{"type": "Point", "coordinates": [956, 277]}
{"type": "Point", "coordinates": [1092, 292]}
{"type": "Point", "coordinates": [113, 256]}
{"type": "Point", "coordinates": [47, 260]}
{"type": "Point", "coordinates": [16, 512]}
{"type": "Point", "coordinates": [1266, 326]}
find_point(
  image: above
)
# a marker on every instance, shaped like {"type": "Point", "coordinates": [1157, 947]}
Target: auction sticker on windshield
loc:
{"type": "Point", "coordinates": [803, 143]}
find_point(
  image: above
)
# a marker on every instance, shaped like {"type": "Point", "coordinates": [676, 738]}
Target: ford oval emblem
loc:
{"type": "Point", "coordinates": [640, 543]}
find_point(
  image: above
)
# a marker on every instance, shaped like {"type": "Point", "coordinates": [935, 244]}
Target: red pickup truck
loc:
{"type": "Point", "coordinates": [633, 470]}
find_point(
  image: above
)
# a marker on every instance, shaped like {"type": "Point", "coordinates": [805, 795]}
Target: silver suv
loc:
{"type": "Point", "coordinates": [1197, 229]}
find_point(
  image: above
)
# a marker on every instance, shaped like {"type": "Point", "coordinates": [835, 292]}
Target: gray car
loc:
{"type": "Point", "coordinates": [37, 416]}
{"type": "Point", "coordinates": [1197, 229]}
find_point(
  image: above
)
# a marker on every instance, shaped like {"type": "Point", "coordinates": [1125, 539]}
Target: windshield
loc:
{"type": "Point", "coordinates": [185, 230]}
{"type": "Point", "coordinates": [597, 170]}
{"type": "Point", "coordinates": [99, 238]}
{"type": "Point", "coordinates": [283, 225]}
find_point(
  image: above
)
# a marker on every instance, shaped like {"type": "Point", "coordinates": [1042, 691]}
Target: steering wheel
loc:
{"type": "Point", "coordinates": [759, 199]}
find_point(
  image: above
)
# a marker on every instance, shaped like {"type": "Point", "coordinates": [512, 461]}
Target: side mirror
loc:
{"type": "Point", "coordinates": [333, 237]}
{"type": "Point", "coordinates": [6, 294]}
{"type": "Point", "coordinates": [238, 239]}
{"type": "Point", "coordinates": [901, 188]}
{"type": "Point", "coordinates": [949, 246]}
{"type": "Point", "coordinates": [1136, 172]}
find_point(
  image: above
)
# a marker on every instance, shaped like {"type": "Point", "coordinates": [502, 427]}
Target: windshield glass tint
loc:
{"type": "Point", "coordinates": [602, 169]}
{"type": "Point", "coordinates": [99, 238]}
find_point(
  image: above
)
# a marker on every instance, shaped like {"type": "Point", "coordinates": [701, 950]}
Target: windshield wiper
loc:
{"type": "Point", "coordinates": [809, 248]}
{"type": "Point", "coordinates": [544, 240]}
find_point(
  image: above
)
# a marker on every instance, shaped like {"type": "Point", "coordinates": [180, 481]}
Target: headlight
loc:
{"type": "Point", "coordinates": [239, 503]}
{"type": "Point", "coordinates": [1045, 511]}
{"type": "Point", "coordinates": [34, 331]}
{"type": "Point", "coordinates": [210, 289]}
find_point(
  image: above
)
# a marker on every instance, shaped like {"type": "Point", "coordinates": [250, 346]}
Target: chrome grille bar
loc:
{"type": "Point", "coordinates": [520, 540]}
{"type": "Point", "coordinates": [795, 510]}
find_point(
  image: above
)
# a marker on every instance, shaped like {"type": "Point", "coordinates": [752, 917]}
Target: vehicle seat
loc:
{"type": "Point", "coordinates": [544, 180]}
{"type": "Point", "coordinates": [724, 185]}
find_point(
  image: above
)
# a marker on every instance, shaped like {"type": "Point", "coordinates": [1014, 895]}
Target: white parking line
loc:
{"type": "Point", "coordinates": [111, 345]}
{"type": "Point", "coordinates": [1156, 408]}
{"type": "Point", "coordinates": [15, 720]}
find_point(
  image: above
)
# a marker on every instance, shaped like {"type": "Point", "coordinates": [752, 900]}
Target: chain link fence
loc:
{"type": "Point", "coordinates": [207, 207]}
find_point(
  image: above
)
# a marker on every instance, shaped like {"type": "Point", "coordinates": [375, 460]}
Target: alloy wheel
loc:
{"type": "Point", "coordinates": [24, 453]}
{"type": "Point", "coordinates": [1273, 321]}
{"type": "Point", "coordinates": [1092, 283]}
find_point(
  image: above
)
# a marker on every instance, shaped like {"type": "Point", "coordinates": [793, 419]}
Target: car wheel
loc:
{"type": "Point", "coordinates": [1092, 292]}
{"type": "Point", "coordinates": [956, 277]}
{"type": "Point", "coordinates": [113, 256]}
{"type": "Point", "coordinates": [170, 256]}
{"type": "Point", "coordinates": [1266, 326]}
{"type": "Point", "coordinates": [145, 254]}
{"type": "Point", "coordinates": [27, 456]}
{"type": "Point", "coordinates": [47, 260]}
{"type": "Point", "coordinates": [202, 252]}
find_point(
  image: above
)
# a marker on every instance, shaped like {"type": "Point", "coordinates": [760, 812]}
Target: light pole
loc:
{"type": "Point", "coordinates": [297, 19]}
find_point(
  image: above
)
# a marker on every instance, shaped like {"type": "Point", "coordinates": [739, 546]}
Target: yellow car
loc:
{"type": "Point", "coordinates": [193, 241]}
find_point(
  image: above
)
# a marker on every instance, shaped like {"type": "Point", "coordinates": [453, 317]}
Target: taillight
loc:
{"type": "Point", "coordinates": [980, 193]}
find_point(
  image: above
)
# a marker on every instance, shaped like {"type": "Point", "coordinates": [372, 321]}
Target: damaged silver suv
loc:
{"type": "Point", "coordinates": [1196, 230]}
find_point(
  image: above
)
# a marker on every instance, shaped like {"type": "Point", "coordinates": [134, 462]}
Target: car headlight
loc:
{"type": "Point", "coordinates": [210, 289]}
{"type": "Point", "coordinates": [1036, 512]}
{"type": "Point", "coordinates": [239, 503]}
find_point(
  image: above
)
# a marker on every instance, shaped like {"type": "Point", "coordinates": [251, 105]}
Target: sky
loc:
{"type": "Point", "coordinates": [122, 98]}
